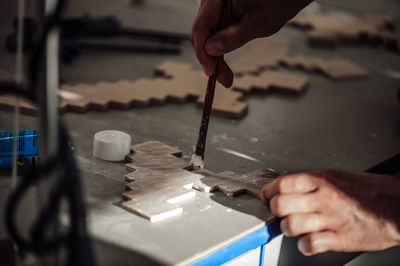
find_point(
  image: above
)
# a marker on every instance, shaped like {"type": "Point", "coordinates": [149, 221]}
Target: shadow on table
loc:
{"type": "Point", "coordinates": [244, 203]}
{"type": "Point", "coordinates": [242, 189]}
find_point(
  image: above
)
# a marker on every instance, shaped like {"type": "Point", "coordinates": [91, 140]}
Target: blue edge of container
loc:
{"type": "Point", "coordinates": [252, 241]}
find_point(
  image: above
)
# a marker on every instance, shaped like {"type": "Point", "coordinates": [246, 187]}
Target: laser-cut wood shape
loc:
{"type": "Point", "coordinates": [154, 194]}
{"type": "Point", "coordinates": [233, 184]}
{"type": "Point", "coordinates": [158, 183]}
{"type": "Point", "coordinates": [119, 95]}
{"type": "Point", "coordinates": [259, 54]}
{"type": "Point", "coordinates": [271, 79]}
{"type": "Point", "coordinates": [228, 103]}
{"type": "Point", "coordinates": [181, 83]}
{"type": "Point", "coordinates": [157, 161]}
{"type": "Point", "coordinates": [333, 29]}
{"type": "Point", "coordinates": [189, 84]}
{"type": "Point", "coordinates": [7, 102]}
{"type": "Point", "coordinates": [154, 147]}
{"type": "Point", "coordinates": [258, 57]}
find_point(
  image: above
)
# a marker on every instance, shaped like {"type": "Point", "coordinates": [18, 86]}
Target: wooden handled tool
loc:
{"type": "Point", "coordinates": [198, 158]}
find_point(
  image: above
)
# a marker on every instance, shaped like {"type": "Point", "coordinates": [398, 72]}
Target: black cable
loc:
{"type": "Point", "coordinates": [51, 21]}
{"type": "Point", "coordinates": [67, 185]}
{"type": "Point", "coordinates": [32, 177]}
{"type": "Point", "coordinates": [76, 240]}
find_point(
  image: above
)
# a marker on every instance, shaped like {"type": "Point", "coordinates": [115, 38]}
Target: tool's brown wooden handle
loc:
{"type": "Point", "coordinates": [223, 23]}
{"type": "Point", "coordinates": [209, 97]}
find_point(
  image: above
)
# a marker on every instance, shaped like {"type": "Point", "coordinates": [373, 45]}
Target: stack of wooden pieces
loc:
{"type": "Point", "coordinates": [159, 180]}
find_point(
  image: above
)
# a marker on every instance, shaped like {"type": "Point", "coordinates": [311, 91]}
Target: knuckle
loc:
{"type": "Point", "coordinates": [197, 27]}
{"type": "Point", "coordinates": [331, 196]}
{"type": "Point", "coordinates": [235, 34]}
{"type": "Point", "coordinates": [282, 184]}
{"type": "Point", "coordinates": [309, 175]}
{"type": "Point", "coordinates": [334, 196]}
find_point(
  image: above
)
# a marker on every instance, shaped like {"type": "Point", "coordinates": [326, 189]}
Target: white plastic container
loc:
{"type": "Point", "coordinates": [111, 145]}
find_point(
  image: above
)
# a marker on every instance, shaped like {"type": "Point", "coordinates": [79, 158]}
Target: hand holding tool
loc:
{"type": "Point", "coordinates": [198, 158]}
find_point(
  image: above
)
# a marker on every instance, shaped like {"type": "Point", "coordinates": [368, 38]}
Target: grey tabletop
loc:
{"type": "Point", "coordinates": [348, 125]}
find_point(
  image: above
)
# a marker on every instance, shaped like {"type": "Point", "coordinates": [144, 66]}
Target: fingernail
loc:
{"type": "Point", "coordinates": [304, 246]}
{"type": "Point", "coordinates": [216, 46]}
{"type": "Point", "coordinates": [285, 227]}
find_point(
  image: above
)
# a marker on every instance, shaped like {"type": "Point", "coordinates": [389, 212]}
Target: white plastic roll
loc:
{"type": "Point", "coordinates": [111, 145]}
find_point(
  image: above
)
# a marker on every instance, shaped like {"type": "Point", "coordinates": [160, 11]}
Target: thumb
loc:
{"type": "Point", "coordinates": [229, 39]}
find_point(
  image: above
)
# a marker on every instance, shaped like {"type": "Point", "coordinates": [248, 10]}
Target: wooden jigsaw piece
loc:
{"type": "Point", "coordinates": [156, 178]}
{"type": "Point", "coordinates": [184, 82]}
{"type": "Point", "coordinates": [257, 55]}
{"type": "Point", "coordinates": [227, 103]}
{"type": "Point", "coordinates": [271, 79]}
{"type": "Point", "coordinates": [179, 82]}
{"type": "Point", "coordinates": [157, 161]}
{"type": "Point", "coordinates": [227, 182]}
{"type": "Point", "coordinates": [154, 194]}
{"type": "Point", "coordinates": [154, 147]}
{"type": "Point", "coordinates": [253, 61]}
{"type": "Point", "coordinates": [335, 69]}
{"type": "Point", "coordinates": [159, 181]}
{"type": "Point", "coordinates": [334, 29]}
{"type": "Point", "coordinates": [233, 184]}
{"type": "Point", "coordinates": [7, 102]}
{"type": "Point", "coordinates": [152, 210]}
{"type": "Point", "coordinates": [155, 155]}
{"type": "Point", "coordinates": [342, 69]}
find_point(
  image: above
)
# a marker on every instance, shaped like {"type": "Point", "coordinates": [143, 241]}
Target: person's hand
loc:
{"type": "Point", "coordinates": [250, 19]}
{"type": "Point", "coordinates": [337, 211]}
